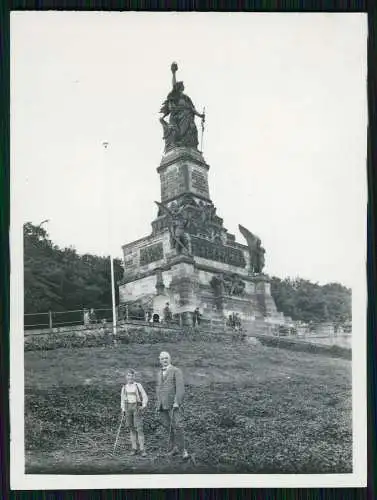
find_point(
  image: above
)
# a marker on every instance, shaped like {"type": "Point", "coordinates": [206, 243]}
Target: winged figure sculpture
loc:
{"type": "Point", "coordinates": [256, 251]}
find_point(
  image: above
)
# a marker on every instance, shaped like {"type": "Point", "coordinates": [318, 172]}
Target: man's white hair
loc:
{"type": "Point", "coordinates": [164, 353]}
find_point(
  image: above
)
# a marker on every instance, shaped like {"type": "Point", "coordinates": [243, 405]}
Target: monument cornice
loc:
{"type": "Point", "coordinates": [185, 193]}
{"type": "Point", "coordinates": [182, 156]}
{"type": "Point", "coordinates": [164, 266]}
{"type": "Point", "coordinates": [212, 269]}
{"type": "Point", "coordinates": [235, 244]}
{"type": "Point", "coordinates": [146, 238]}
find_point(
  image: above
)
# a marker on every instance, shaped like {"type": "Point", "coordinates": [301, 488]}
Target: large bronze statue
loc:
{"type": "Point", "coordinates": [256, 251]}
{"type": "Point", "coordinates": [181, 129]}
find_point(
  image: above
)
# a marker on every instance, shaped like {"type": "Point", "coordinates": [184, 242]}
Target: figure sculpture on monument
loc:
{"type": "Point", "coordinates": [207, 213]}
{"type": "Point", "coordinates": [218, 284]}
{"type": "Point", "coordinates": [181, 129]}
{"type": "Point", "coordinates": [256, 251]}
{"type": "Point", "coordinates": [181, 239]}
{"type": "Point", "coordinates": [259, 257]}
{"type": "Point", "coordinates": [229, 284]}
{"type": "Point", "coordinates": [178, 225]}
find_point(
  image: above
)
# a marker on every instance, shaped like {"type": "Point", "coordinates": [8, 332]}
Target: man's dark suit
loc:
{"type": "Point", "coordinates": [170, 390]}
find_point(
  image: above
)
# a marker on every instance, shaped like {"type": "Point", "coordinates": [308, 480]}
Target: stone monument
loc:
{"type": "Point", "coordinates": [190, 260]}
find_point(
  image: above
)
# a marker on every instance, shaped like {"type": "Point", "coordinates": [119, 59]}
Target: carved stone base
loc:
{"type": "Point", "coordinates": [186, 285]}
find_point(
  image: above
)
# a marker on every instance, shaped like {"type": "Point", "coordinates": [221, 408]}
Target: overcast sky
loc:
{"type": "Point", "coordinates": [285, 138]}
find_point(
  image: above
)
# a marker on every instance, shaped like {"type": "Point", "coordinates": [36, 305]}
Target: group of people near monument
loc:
{"type": "Point", "coordinates": [90, 316]}
{"type": "Point", "coordinates": [169, 396]}
{"type": "Point", "coordinates": [167, 316]}
{"type": "Point", "coordinates": [234, 321]}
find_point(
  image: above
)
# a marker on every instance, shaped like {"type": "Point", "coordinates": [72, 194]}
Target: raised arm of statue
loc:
{"type": "Point", "coordinates": [174, 68]}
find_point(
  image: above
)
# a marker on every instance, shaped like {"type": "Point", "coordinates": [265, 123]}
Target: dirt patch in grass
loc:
{"type": "Point", "coordinates": [256, 410]}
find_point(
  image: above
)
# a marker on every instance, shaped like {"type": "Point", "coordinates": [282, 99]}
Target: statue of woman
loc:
{"type": "Point", "coordinates": [181, 129]}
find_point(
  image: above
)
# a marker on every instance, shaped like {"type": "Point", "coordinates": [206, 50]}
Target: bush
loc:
{"type": "Point", "coordinates": [125, 335]}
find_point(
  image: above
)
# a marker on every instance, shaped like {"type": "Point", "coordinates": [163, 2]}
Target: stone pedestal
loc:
{"type": "Point", "coordinates": [263, 295]}
{"type": "Point", "coordinates": [184, 287]}
{"type": "Point", "coordinates": [183, 170]}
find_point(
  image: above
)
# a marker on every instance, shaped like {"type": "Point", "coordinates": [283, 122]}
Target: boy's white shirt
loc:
{"type": "Point", "coordinates": [141, 392]}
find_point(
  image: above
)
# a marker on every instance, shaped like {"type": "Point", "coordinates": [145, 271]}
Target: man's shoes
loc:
{"type": "Point", "coordinates": [133, 452]}
{"type": "Point", "coordinates": [185, 455]}
{"type": "Point", "coordinates": [173, 451]}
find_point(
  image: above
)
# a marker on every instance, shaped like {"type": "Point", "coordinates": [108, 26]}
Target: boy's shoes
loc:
{"type": "Point", "coordinates": [185, 455]}
{"type": "Point", "coordinates": [143, 453]}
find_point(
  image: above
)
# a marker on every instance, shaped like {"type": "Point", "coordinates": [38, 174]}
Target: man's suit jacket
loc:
{"type": "Point", "coordinates": [170, 389]}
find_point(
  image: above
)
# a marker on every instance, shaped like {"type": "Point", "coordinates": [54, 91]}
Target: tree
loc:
{"type": "Point", "coordinates": [310, 302]}
{"type": "Point", "coordinates": [59, 279]}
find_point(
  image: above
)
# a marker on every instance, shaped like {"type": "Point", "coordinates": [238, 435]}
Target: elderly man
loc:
{"type": "Point", "coordinates": [170, 392]}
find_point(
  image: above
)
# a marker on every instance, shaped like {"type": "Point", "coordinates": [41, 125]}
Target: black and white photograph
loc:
{"type": "Point", "coordinates": [188, 250]}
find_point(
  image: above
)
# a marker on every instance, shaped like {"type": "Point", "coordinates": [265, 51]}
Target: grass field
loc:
{"type": "Point", "coordinates": [248, 409]}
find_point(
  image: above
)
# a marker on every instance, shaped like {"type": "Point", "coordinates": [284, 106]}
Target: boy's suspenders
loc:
{"type": "Point", "coordinates": [138, 392]}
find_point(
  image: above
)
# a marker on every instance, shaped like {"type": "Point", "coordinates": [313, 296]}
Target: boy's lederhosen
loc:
{"type": "Point", "coordinates": [134, 418]}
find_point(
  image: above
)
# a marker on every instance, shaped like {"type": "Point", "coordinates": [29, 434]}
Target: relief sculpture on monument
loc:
{"type": "Point", "coordinates": [229, 284]}
{"type": "Point", "coordinates": [151, 253]}
{"type": "Point", "coordinates": [214, 251]}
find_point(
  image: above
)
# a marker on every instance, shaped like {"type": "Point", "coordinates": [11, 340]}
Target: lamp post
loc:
{"type": "Point", "coordinates": [105, 145]}
{"type": "Point", "coordinates": [113, 296]}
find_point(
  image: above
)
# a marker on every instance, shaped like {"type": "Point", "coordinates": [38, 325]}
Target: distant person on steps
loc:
{"type": "Point", "coordinates": [196, 317]}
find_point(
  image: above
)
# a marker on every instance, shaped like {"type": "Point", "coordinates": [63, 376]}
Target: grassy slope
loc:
{"type": "Point", "coordinates": [248, 409]}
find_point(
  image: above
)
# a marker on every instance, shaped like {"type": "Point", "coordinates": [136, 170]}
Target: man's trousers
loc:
{"type": "Point", "coordinates": [172, 420]}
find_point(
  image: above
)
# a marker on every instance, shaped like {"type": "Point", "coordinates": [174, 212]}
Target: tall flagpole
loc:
{"type": "Point", "coordinates": [113, 296]}
{"type": "Point", "coordinates": [105, 145]}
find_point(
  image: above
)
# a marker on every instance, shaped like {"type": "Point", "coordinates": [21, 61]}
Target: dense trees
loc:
{"type": "Point", "coordinates": [59, 279]}
{"type": "Point", "coordinates": [306, 301]}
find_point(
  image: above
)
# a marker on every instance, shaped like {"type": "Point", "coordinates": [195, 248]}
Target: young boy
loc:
{"type": "Point", "coordinates": [133, 400]}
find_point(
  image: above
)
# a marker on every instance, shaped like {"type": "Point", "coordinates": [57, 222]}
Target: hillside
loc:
{"type": "Point", "coordinates": [248, 409]}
